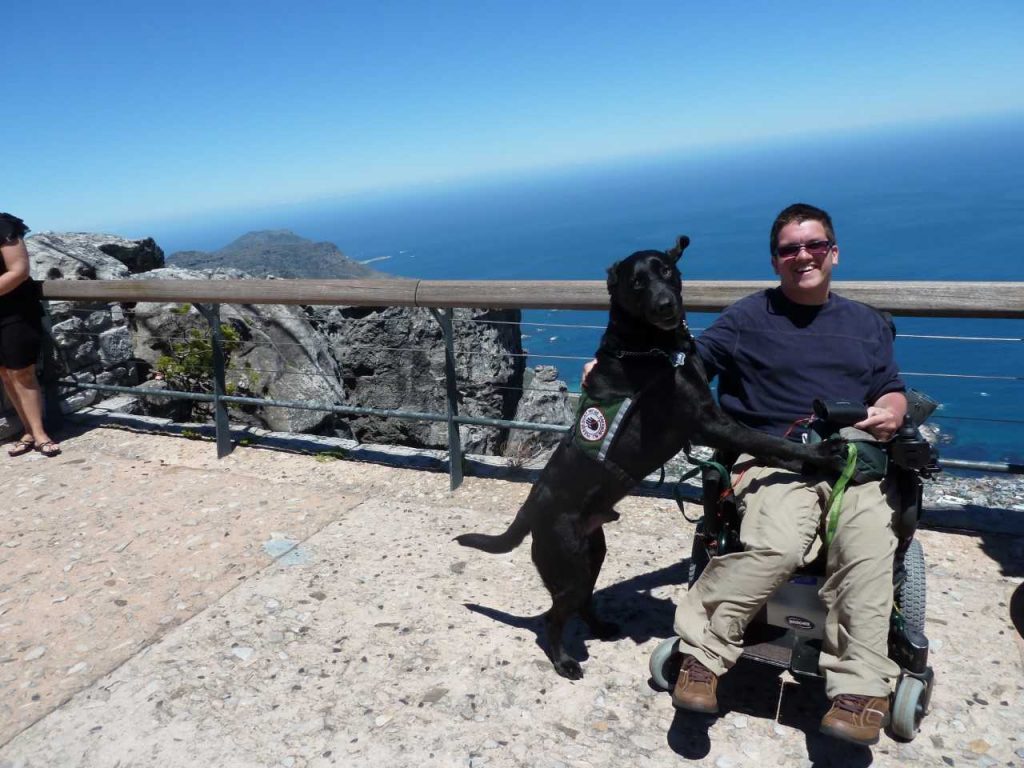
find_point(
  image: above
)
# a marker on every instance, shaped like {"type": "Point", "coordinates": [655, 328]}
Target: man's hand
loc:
{"type": "Point", "coordinates": [885, 416]}
{"type": "Point", "coordinates": [881, 423]}
{"type": "Point", "coordinates": [587, 368]}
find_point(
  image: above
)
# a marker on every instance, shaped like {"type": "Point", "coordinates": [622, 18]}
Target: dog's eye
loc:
{"type": "Point", "coordinates": [638, 283]}
{"type": "Point", "coordinates": [666, 271]}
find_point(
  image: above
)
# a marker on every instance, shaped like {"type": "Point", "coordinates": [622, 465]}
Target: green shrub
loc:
{"type": "Point", "coordinates": [188, 367]}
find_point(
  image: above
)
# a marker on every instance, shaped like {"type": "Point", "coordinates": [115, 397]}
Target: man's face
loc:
{"type": "Point", "coordinates": [804, 276]}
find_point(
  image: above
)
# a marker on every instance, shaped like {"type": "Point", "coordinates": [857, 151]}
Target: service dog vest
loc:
{"type": "Point", "coordinates": [597, 424]}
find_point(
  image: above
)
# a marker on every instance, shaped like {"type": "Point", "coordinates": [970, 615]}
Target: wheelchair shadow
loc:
{"type": "Point", "coordinates": [999, 531]}
{"type": "Point", "coordinates": [1007, 551]}
{"type": "Point", "coordinates": [751, 688]}
{"type": "Point", "coordinates": [758, 690]}
{"type": "Point", "coordinates": [1017, 609]}
{"type": "Point", "coordinates": [630, 604]}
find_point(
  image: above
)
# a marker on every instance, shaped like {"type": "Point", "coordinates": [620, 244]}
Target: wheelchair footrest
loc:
{"type": "Point", "coordinates": [783, 648]}
{"type": "Point", "coordinates": [769, 652]}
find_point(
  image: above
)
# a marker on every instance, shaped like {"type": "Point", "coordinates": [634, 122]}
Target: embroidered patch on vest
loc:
{"type": "Point", "coordinates": [597, 423]}
{"type": "Point", "coordinates": [593, 425]}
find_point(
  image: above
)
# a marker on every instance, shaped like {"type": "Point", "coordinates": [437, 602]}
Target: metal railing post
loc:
{"type": "Point", "coordinates": [54, 416]}
{"type": "Point", "coordinates": [454, 440]}
{"type": "Point", "coordinates": [220, 410]}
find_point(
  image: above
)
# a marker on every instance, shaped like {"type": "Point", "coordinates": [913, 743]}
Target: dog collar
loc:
{"type": "Point", "coordinates": [677, 358]}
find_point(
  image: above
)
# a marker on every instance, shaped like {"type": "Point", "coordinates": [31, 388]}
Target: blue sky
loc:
{"type": "Point", "coordinates": [128, 112]}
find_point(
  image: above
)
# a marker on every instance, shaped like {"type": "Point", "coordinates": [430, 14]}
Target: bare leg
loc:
{"type": "Point", "coordinates": [23, 389]}
{"type": "Point", "coordinates": [13, 395]}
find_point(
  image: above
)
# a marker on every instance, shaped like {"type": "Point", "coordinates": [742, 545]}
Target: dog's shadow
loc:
{"type": "Point", "coordinates": [629, 604]}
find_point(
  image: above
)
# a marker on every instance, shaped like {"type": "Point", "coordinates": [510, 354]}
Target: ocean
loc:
{"type": "Point", "coordinates": [931, 202]}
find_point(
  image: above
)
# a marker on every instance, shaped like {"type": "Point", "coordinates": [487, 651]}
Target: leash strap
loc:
{"type": "Point", "coordinates": [835, 499]}
{"type": "Point", "coordinates": [699, 466]}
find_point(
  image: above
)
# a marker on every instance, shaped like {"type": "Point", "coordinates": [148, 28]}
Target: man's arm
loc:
{"type": "Point", "coordinates": [885, 415]}
{"type": "Point", "coordinates": [587, 368]}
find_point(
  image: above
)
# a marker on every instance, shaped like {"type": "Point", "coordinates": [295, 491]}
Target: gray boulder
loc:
{"type": "Point", "coordinates": [279, 355]}
{"type": "Point", "coordinates": [92, 340]}
{"type": "Point", "coordinates": [382, 358]}
{"type": "Point", "coordinates": [546, 399]}
{"type": "Point", "coordinates": [84, 256]}
{"type": "Point", "coordinates": [393, 358]}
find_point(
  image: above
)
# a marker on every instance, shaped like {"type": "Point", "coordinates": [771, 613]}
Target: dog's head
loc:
{"type": "Point", "coordinates": [648, 286]}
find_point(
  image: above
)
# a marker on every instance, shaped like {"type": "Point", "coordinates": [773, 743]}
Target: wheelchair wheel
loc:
{"type": "Point", "coordinates": [912, 594]}
{"type": "Point", "coordinates": [908, 707]}
{"type": "Point", "coordinates": [698, 555]}
{"type": "Point", "coordinates": [664, 664]}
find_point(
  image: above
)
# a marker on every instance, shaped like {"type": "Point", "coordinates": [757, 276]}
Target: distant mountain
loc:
{"type": "Point", "coordinates": [278, 252]}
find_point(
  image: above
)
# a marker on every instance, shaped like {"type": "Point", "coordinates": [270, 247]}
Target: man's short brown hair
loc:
{"type": "Point", "coordinates": [799, 212]}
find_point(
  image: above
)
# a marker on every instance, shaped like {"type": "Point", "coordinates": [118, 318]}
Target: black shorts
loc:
{"type": "Point", "coordinates": [20, 341]}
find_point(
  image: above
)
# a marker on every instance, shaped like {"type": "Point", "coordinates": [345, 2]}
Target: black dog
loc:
{"type": "Point", "coordinates": [648, 369]}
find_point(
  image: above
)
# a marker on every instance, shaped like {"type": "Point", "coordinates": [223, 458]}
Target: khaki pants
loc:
{"type": "Point", "coordinates": [783, 521]}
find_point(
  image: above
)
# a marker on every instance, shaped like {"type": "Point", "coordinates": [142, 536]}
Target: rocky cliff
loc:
{"type": "Point", "coordinates": [386, 358]}
{"type": "Point", "coordinates": [277, 252]}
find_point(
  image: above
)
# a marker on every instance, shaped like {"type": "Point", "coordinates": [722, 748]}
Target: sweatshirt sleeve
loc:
{"type": "Point", "coordinates": [886, 376]}
{"type": "Point", "coordinates": [716, 343]}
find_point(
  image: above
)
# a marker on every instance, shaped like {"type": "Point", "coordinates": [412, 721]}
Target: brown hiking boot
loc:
{"type": "Point", "coordinates": [857, 719]}
{"type": "Point", "coordinates": [696, 689]}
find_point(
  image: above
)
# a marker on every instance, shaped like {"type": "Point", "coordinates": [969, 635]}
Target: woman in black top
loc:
{"type": "Point", "coordinates": [21, 332]}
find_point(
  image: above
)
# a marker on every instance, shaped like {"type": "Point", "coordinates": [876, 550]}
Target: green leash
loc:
{"type": "Point", "coordinates": [835, 500]}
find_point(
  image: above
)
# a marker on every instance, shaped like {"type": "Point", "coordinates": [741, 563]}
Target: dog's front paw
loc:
{"type": "Point", "coordinates": [831, 454]}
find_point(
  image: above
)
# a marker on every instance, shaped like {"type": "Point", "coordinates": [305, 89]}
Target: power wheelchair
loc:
{"type": "Point", "coordinates": [788, 630]}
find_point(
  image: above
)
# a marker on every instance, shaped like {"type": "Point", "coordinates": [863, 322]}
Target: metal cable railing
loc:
{"type": "Point", "coordinates": [264, 336]}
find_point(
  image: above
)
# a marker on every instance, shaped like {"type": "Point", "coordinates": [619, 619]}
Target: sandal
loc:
{"type": "Point", "coordinates": [21, 446]}
{"type": "Point", "coordinates": [49, 448]}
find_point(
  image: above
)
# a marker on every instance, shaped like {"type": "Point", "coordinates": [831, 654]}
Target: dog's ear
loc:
{"type": "Point", "coordinates": [613, 275]}
{"type": "Point", "coordinates": [677, 250]}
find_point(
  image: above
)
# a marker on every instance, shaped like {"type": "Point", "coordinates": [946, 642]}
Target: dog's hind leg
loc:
{"type": "Point", "coordinates": [597, 549]}
{"type": "Point", "coordinates": [565, 573]}
{"type": "Point", "coordinates": [564, 605]}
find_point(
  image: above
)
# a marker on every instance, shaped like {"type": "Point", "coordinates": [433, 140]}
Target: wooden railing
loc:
{"type": "Point", "coordinates": [907, 299]}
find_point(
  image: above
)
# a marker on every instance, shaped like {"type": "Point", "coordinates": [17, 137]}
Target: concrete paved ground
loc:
{"type": "Point", "coordinates": [160, 607]}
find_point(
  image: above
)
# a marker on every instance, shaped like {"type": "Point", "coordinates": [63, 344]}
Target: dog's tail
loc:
{"type": "Point", "coordinates": [503, 542]}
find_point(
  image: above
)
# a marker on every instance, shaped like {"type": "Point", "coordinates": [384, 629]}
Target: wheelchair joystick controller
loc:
{"type": "Point", "coordinates": [910, 450]}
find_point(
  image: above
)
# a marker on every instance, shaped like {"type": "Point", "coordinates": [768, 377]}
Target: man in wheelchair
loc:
{"type": "Point", "coordinates": [774, 353]}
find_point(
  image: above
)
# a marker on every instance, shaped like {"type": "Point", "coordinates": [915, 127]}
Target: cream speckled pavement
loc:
{"type": "Point", "coordinates": [160, 607]}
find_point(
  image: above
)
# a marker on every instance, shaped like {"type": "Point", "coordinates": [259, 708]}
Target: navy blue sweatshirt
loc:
{"type": "Point", "coordinates": [773, 357]}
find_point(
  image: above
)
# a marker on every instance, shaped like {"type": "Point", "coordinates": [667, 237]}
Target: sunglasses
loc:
{"type": "Point", "coordinates": [816, 248]}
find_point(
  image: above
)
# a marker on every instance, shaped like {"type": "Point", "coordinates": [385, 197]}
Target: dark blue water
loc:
{"type": "Point", "coordinates": [931, 203]}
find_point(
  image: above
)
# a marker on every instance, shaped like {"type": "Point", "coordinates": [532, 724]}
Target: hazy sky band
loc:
{"type": "Point", "coordinates": [123, 111]}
